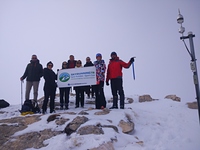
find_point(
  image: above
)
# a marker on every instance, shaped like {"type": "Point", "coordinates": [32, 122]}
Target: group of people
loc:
{"type": "Point", "coordinates": [34, 71]}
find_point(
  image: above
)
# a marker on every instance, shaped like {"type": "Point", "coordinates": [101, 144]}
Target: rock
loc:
{"type": "Point", "coordinates": [130, 100]}
{"type": "Point", "coordinates": [3, 103]}
{"type": "Point", "coordinates": [9, 126]}
{"type": "Point", "coordinates": [110, 100]}
{"type": "Point", "coordinates": [83, 113]}
{"type": "Point", "coordinates": [108, 126]}
{"type": "Point", "coordinates": [29, 140]}
{"type": "Point", "coordinates": [90, 108]}
{"type": "Point", "coordinates": [90, 129]}
{"type": "Point", "coordinates": [141, 143]}
{"type": "Point", "coordinates": [105, 146]}
{"type": "Point", "coordinates": [52, 117]}
{"type": "Point", "coordinates": [127, 127]}
{"type": "Point", "coordinates": [70, 113]}
{"type": "Point", "coordinates": [173, 97]}
{"type": "Point", "coordinates": [145, 98]}
{"type": "Point", "coordinates": [105, 111]}
{"type": "Point", "coordinates": [192, 105]}
{"type": "Point", "coordinates": [75, 124]}
{"type": "Point", "coordinates": [61, 121]}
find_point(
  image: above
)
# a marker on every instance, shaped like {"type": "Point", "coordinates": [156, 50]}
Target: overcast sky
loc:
{"type": "Point", "coordinates": [55, 29]}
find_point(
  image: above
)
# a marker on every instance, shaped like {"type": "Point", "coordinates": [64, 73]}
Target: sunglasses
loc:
{"type": "Point", "coordinates": [50, 65]}
{"type": "Point", "coordinates": [64, 64]}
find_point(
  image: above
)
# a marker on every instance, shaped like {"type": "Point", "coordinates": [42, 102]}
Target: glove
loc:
{"type": "Point", "coordinates": [132, 60]}
{"type": "Point", "coordinates": [107, 83]}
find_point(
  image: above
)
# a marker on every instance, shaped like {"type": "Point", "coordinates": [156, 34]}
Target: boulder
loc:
{"type": "Point", "coordinates": [90, 129]}
{"type": "Point", "coordinates": [105, 111]}
{"type": "Point", "coordinates": [108, 126]}
{"type": "Point", "coordinates": [173, 97]}
{"type": "Point", "coordinates": [3, 103]}
{"type": "Point", "coordinates": [75, 124]}
{"type": "Point", "coordinates": [52, 117]}
{"type": "Point", "coordinates": [130, 100]}
{"type": "Point", "coordinates": [105, 146]}
{"type": "Point", "coordinates": [83, 113]}
{"type": "Point", "coordinates": [127, 127]}
{"type": "Point", "coordinates": [145, 98]}
{"type": "Point", "coordinates": [192, 105]}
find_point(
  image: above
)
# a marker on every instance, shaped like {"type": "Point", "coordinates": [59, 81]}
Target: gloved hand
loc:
{"type": "Point", "coordinates": [132, 60]}
{"type": "Point", "coordinates": [107, 83]}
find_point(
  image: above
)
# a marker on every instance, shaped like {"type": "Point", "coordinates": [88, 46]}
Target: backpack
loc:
{"type": "Point", "coordinates": [29, 108]}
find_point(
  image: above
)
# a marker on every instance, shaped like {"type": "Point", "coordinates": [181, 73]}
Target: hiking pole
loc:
{"type": "Point", "coordinates": [133, 69]}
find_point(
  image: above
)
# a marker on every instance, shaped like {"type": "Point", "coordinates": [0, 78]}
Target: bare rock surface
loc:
{"type": "Point", "coordinates": [83, 113]}
{"type": "Point", "coordinates": [105, 146]}
{"type": "Point", "coordinates": [173, 97]}
{"type": "Point", "coordinates": [75, 124]}
{"type": "Point", "coordinates": [192, 105]}
{"type": "Point", "coordinates": [90, 129]}
{"type": "Point", "coordinates": [145, 98]}
{"type": "Point", "coordinates": [52, 117]}
{"type": "Point", "coordinates": [105, 111]}
{"type": "Point", "coordinates": [61, 121]}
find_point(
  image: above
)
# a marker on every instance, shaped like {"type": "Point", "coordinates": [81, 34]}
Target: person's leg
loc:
{"type": "Point", "coordinates": [96, 89]}
{"type": "Point", "coordinates": [29, 85]}
{"type": "Point", "coordinates": [92, 91]}
{"type": "Point", "coordinates": [61, 97]}
{"type": "Point", "coordinates": [52, 100]}
{"type": "Point", "coordinates": [77, 98]}
{"type": "Point", "coordinates": [35, 90]}
{"type": "Point", "coordinates": [102, 95]}
{"type": "Point", "coordinates": [121, 93]}
{"type": "Point", "coordinates": [114, 93]}
{"type": "Point", "coordinates": [87, 91]}
{"type": "Point", "coordinates": [82, 97]}
{"type": "Point", "coordinates": [46, 99]}
{"type": "Point", "coordinates": [67, 96]}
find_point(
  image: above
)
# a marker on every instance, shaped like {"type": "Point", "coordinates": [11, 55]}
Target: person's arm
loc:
{"type": "Point", "coordinates": [41, 71]}
{"type": "Point", "coordinates": [125, 65]}
{"type": "Point", "coordinates": [25, 73]}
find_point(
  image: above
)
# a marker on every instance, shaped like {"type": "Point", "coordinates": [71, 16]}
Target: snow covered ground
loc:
{"type": "Point", "coordinates": [159, 125]}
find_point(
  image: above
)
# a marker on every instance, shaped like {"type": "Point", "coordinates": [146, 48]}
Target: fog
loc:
{"type": "Point", "coordinates": [148, 30]}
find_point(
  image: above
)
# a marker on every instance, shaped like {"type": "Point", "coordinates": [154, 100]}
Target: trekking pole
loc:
{"type": "Point", "coordinates": [21, 93]}
{"type": "Point", "coordinates": [133, 69]}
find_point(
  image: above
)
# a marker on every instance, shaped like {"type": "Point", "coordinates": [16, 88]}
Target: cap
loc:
{"type": "Point", "coordinates": [113, 53]}
{"type": "Point", "coordinates": [98, 55]}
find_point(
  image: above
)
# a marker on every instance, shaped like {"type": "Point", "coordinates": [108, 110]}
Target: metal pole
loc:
{"type": "Point", "coordinates": [194, 69]}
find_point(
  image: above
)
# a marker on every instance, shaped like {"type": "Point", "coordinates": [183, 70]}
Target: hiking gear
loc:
{"type": "Point", "coordinates": [4, 104]}
{"type": "Point", "coordinates": [100, 70]}
{"type": "Point", "coordinates": [133, 70]}
{"type": "Point", "coordinates": [132, 60]}
{"type": "Point", "coordinates": [98, 55]}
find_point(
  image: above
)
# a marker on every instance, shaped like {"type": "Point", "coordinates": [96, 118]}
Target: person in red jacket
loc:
{"type": "Point", "coordinates": [114, 74]}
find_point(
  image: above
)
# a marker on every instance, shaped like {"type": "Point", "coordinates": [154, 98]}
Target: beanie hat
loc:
{"type": "Point", "coordinates": [98, 55]}
{"type": "Point", "coordinates": [113, 53]}
{"type": "Point", "coordinates": [50, 63]}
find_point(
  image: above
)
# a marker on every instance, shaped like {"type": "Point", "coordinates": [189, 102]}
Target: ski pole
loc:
{"type": "Point", "coordinates": [21, 92]}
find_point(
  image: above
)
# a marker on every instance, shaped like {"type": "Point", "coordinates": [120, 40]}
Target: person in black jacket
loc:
{"type": "Point", "coordinates": [89, 89]}
{"type": "Point", "coordinates": [64, 92]}
{"type": "Point", "coordinates": [49, 87]}
{"type": "Point", "coordinates": [33, 73]}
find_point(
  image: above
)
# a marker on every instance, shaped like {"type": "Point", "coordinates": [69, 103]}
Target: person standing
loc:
{"type": "Point", "coordinates": [114, 73]}
{"type": "Point", "coordinates": [79, 89]}
{"type": "Point", "coordinates": [33, 73]}
{"type": "Point", "coordinates": [100, 100]}
{"type": "Point", "coordinates": [89, 89]}
{"type": "Point", "coordinates": [49, 88]}
{"type": "Point", "coordinates": [64, 92]}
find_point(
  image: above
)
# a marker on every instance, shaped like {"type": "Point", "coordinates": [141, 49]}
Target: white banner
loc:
{"type": "Point", "coordinates": [77, 77]}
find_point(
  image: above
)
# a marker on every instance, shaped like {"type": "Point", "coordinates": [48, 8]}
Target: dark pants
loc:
{"type": "Point", "coordinates": [100, 99]}
{"type": "Point", "coordinates": [117, 87]}
{"type": "Point", "coordinates": [64, 93]}
{"type": "Point", "coordinates": [49, 93]}
{"type": "Point", "coordinates": [79, 96]}
{"type": "Point", "coordinates": [88, 90]}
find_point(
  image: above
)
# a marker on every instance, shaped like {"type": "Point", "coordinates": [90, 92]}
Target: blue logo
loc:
{"type": "Point", "coordinates": [64, 77]}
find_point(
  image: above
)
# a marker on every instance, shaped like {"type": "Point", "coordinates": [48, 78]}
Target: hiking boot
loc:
{"type": "Point", "coordinates": [66, 107]}
{"type": "Point", "coordinates": [61, 107]}
{"type": "Point", "coordinates": [113, 107]}
{"type": "Point", "coordinates": [44, 112]}
{"type": "Point", "coordinates": [102, 107]}
{"type": "Point", "coordinates": [121, 107]}
{"type": "Point", "coordinates": [76, 106]}
{"type": "Point", "coordinates": [52, 111]}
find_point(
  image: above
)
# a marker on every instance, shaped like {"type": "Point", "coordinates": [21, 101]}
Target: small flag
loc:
{"type": "Point", "coordinates": [133, 70]}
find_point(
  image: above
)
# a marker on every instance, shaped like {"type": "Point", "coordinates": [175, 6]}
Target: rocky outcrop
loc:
{"type": "Point", "coordinates": [90, 129]}
{"type": "Point", "coordinates": [127, 126]}
{"type": "Point", "coordinates": [173, 97]}
{"type": "Point", "coordinates": [105, 146]}
{"type": "Point", "coordinates": [29, 140]}
{"type": "Point", "coordinates": [145, 98]}
{"type": "Point", "coordinates": [61, 121]}
{"type": "Point", "coordinates": [75, 124]}
{"type": "Point", "coordinates": [192, 105]}
{"type": "Point", "coordinates": [83, 113]}
{"type": "Point", "coordinates": [52, 117]}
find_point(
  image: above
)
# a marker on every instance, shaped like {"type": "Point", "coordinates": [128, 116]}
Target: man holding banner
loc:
{"type": "Point", "coordinates": [114, 73]}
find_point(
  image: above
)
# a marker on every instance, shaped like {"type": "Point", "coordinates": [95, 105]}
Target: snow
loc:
{"type": "Point", "coordinates": [159, 125]}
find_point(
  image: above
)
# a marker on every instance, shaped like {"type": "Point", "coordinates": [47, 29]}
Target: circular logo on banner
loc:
{"type": "Point", "coordinates": [64, 77]}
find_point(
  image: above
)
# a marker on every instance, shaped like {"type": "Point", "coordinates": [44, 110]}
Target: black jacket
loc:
{"type": "Point", "coordinates": [49, 77]}
{"type": "Point", "coordinates": [88, 64]}
{"type": "Point", "coordinates": [33, 72]}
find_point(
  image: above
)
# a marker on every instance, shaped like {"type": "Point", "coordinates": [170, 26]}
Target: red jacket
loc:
{"type": "Point", "coordinates": [115, 68]}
